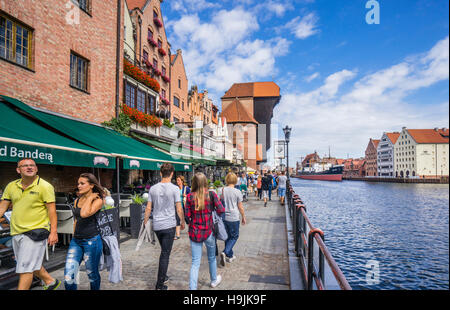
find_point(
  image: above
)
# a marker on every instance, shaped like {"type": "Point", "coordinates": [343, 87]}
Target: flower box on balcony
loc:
{"type": "Point", "coordinates": [141, 118]}
{"type": "Point", "coordinates": [165, 78]}
{"type": "Point", "coordinates": [165, 101]}
{"type": "Point", "coordinates": [162, 51]}
{"type": "Point", "coordinates": [140, 76]}
{"type": "Point", "coordinates": [156, 71]}
{"type": "Point", "coordinates": [148, 64]}
{"type": "Point", "coordinates": [157, 22]}
{"type": "Point", "coordinates": [152, 42]}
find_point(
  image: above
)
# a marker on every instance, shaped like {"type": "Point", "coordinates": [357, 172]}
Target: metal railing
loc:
{"type": "Point", "coordinates": [307, 238]}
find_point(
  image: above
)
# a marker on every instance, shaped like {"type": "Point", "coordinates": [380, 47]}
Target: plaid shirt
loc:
{"type": "Point", "coordinates": [200, 222]}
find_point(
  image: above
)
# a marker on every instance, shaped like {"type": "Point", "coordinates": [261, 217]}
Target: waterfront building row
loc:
{"type": "Point", "coordinates": [411, 153]}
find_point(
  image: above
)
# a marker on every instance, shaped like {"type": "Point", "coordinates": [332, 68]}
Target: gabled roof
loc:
{"type": "Point", "coordinates": [429, 135]}
{"type": "Point", "coordinates": [255, 89]}
{"type": "Point", "coordinates": [132, 4]}
{"type": "Point", "coordinates": [375, 143]}
{"type": "Point", "coordinates": [236, 113]}
{"type": "Point", "coordinates": [393, 136]}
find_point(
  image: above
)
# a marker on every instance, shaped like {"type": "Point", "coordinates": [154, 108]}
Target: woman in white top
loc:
{"type": "Point", "coordinates": [233, 208]}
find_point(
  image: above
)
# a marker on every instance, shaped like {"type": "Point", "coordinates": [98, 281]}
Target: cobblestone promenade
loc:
{"type": "Point", "coordinates": [261, 251]}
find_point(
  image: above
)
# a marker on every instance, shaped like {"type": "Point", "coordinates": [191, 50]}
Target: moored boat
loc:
{"type": "Point", "coordinates": [334, 173]}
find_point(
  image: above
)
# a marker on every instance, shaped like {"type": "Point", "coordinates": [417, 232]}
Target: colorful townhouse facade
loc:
{"type": "Point", "coordinates": [385, 152]}
{"type": "Point", "coordinates": [371, 158]}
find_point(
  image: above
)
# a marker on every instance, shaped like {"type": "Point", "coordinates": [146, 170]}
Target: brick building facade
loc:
{"type": "Point", "coordinates": [371, 158]}
{"type": "Point", "coordinates": [152, 48]}
{"type": "Point", "coordinates": [178, 89]}
{"type": "Point", "coordinates": [65, 59]}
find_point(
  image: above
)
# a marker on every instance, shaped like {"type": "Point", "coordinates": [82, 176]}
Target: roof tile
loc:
{"type": "Point", "coordinates": [236, 113]}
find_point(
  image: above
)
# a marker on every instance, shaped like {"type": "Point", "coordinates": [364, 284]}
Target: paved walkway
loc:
{"type": "Point", "coordinates": [262, 258]}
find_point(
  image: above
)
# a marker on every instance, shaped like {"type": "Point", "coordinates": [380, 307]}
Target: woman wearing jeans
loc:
{"type": "Point", "coordinates": [233, 207]}
{"type": "Point", "coordinates": [86, 242]}
{"type": "Point", "coordinates": [199, 206]}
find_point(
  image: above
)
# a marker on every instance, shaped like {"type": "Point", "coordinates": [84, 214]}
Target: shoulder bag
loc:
{"type": "Point", "coordinates": [219, 229]}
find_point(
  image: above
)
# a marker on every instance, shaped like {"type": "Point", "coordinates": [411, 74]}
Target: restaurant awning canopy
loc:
{"type": "Point", "coordinates": [136, 155]}
{"type": "Point", "coordinates": [177, 150]}
{"type": "Point", "coordinates": [21, 137]}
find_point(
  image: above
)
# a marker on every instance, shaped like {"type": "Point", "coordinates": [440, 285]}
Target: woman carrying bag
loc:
{"type": "Point", "coordinates": [200, 204]}
{"type": "Point", "coordinates": [234, 212]}
{"type": "Point", "coordinates": [86, 242]}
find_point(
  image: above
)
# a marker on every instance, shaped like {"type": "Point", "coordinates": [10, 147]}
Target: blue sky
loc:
{"type": "Point", "coordinates": [342, 80]}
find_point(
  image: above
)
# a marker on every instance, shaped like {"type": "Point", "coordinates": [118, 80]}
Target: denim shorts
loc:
{"type": "Point", "coordinates": [282, 192]}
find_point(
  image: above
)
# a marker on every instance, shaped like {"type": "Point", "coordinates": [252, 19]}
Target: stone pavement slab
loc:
{"type": "Point", "coordinates": [262, 258]}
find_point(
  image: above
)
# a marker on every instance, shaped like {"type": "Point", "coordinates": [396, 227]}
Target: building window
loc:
{"type": "Point", "coordinates": [163, 71]}
{"type": "Point", "coordinates": [151, 104]}
{"type": "Point", "coordinates": [155, 63]}
{"type": "Point", "coordinates": [15, 42]}
{"type": "Point", "coordinates": [150, 34]}
{"type": "Point", "coordinates": [182, 105]}
{"type": "Point", "coordinates": [145, 55]}
{"type": "Point", "coordinates": [79, 72]}
{"type": "Point", "coordinates": [159, 43]}
{"type": "Point", "coordinates": [140, 104]}
{"type": "Point", "coordinates": [176, 102]}
{"type": "Point", "coordinates": [130, 91]}
{"type": "Point", "coordinates": [179, 83]}
{"type": "Point", "coordinates": [163, 93]}
{"type": "Point", "coordinates": [155, 14]}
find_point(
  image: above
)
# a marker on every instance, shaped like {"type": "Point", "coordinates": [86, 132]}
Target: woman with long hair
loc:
{"type": "Point", "coordinates": [184, 191]}
{"type": "Point", "coordinates": [86, 243]}
{"type": "Point", "coordinates": [234, 213]}
{"type": "Point", "coordinates": [200, 204]}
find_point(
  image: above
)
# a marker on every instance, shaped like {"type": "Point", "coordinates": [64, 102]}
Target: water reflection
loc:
{"type": "Point", "coordinates": [405, 227]}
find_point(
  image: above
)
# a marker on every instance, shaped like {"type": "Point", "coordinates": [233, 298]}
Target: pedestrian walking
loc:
{"type": "Point", "coordinates": [162, 198]}
{"type": "Point", "coordinates": [234, 213]}
{"type": "Point", "coordinates": [200, 204]}
{"type": "Point", "coordinates": [266, 185]}
{"type": "Point", "coordinates": [86, 243]}
{"type": "Point", "coordinates": [184, 191]}
{"type": "Point", "coordinates": [282, 179]}
{"type": "Point", "coordinates": [259, 187]}
{"type": "Point", "coordinates": [33, 223]}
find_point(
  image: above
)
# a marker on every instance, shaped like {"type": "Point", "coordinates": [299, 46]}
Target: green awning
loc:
{"type": "Point", "coordinates": [179, 151]}
{"type": "Point", "coordinates": [101, 138]}
{"type": "Point", "coordinates": [21, 137]}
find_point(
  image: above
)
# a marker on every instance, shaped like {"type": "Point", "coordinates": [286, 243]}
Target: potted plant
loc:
{"type": "Point", "coordinates": [137, 211]}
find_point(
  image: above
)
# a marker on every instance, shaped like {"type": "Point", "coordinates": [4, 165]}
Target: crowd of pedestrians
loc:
{"type": "Point", "coordinates": [169, 209]}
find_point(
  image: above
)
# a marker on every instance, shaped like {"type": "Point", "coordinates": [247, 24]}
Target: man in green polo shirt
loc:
{"type": "Point", "coordinates": [33, 221]}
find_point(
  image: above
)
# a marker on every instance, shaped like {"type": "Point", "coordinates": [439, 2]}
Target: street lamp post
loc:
{"type": "Point", "coordinates": [287, 135]}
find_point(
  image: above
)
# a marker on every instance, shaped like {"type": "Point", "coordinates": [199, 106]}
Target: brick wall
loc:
{"type": "Point", "coordinates": [47, 84]}
{"type": "Point", "coordinates": [179, 89]}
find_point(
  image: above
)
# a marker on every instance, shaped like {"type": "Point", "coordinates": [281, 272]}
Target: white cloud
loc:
{"type": "Point", "coordinates": [222, 52]}
{"type": "Point", "coordinates": [312, 77]}
{"type": "Point", "coordinates": [373, 104]}
{"type": "Point", "coordinates": [304, 27]}
{"type": "Point", "coordinates": [186, 6]}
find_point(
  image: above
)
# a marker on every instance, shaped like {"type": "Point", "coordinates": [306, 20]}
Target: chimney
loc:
{"type": "Point", "coordinates": [436, 129]}
{"type": "Point", "coordinates": [179, 52]}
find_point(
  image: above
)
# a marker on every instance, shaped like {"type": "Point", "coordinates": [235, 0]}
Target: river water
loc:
{"type": "Point", "coordinates": [383, 235]}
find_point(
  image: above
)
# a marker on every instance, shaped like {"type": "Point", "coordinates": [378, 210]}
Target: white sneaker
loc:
{"type": "Point", "coordinates": [217, 282]}
{"type": "Point", "coordinates": [230, 259]}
